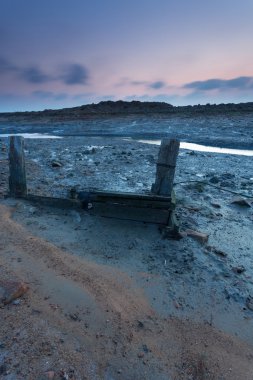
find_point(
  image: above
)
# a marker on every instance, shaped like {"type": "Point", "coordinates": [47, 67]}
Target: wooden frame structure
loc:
{"type": "Point", "coordinates": [157, 207]}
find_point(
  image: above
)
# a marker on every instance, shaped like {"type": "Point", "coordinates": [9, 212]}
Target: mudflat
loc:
{"type": "Point", "coordinates": [112, 299]}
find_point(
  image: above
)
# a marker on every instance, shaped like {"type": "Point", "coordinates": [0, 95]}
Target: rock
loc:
{"type": "Point", "coordinates": [249, 303]}
{"type": "Point", "coordinates": [177, 305]}
{"type": "Point", "coordinates": [11, 290]}
{"type": "Point", "coordinates": [199, 236]}
{"type": "Point", "coordinates": [241, 201]}
{"type": "Point", "coordinates": [216, 251]}
{"type": "Point", "coordinates": [214, 180]}
{"type": "Point", "coordinates": [74, 317]}
{"type": "Point", "coordinates": [227, 176]}
{"type": "Point", "coordinates": [240, 269]}
{"type": "Point", "coordinates": [32, 210]}
{"type": "Point", "coordinates": [134, 243]}
{"type": "Point", "coordinates": [227, 184]}
{"type": "Point", "coordinates": [145, 348]}
{"type": "Point", "coordinates": [64, 375]}
{"type": "Point", "coordinates": [140, 324]}
{"type": "Point", "coordinates": [56, 164]}
{"type": "Point", "coordinates": [49, 375]}
{"type": "Point", "coordinates": [215, 205]}
{"type": "Point", "coordinates": [16, 302]}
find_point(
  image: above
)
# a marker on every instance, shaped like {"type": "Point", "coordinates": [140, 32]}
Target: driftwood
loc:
{"type": "Point", "coordinates": [17, 178]}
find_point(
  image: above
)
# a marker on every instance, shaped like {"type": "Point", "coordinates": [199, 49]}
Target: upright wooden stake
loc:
{"type": "Point", "coordinates": [17, 178]}
{"type": "Point", "coordinates": [166, 166]}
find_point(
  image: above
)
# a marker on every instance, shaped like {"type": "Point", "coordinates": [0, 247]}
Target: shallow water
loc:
{"type": "Point", "coordinates": [31, 135]}
{"type": "Point", "coordinates": [203, 148]}
{"type": "Point", "coordinates": [183, 145]}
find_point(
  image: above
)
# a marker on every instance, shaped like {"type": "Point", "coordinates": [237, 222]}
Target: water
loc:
{"type": "Point", "coordinates": [183, 145]}
{"type": "Point", "coordinates": [203, 148]}
{"type": "Point", "coordinates": [31, 135]}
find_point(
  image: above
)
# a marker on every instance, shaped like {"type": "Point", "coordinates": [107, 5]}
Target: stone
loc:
{"type": "Point", "coordinates": [241, 201]}
{"type": "Point", "coordinates": [240, 269]}
{"type": "Point", "coordinates": [215, 205]}
{"type": "Point", "coordinates": [214, 180]}
{"type": "Point", "coordinates": [56, 164]}
{"type": "Point", "coordinates": [199, 236]}
{"type": "Point", "coordinates": [217, 251]}
{"type": "Point", "coordinates": [11, 290]}
{"type": "Point", "coordinates": [228, 176]}
{"type": "Point", "coordinates": [227, 184]}
{"type": "Point", "coordinates": [249, 303]}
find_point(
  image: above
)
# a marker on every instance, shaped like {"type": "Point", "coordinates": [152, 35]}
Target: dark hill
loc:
{"type": "Point", "coordinates": [121, 107]}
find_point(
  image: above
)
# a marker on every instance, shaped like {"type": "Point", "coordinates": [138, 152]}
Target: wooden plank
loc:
{"type": "Point", "coordinates": [54, 202]}
{"type": "Point", "coordinates": [121, 212]}
{"type": "Point", "coordinates": [166, 166]}
{"type": "Point", "coordinates": [17, 177]}
{"type": "Point", "coordinates": [123, 195]}
{"type": "Point", "coordinates": [128, 199]}
{"type": "Point", "coordinates": [118, 211]}
{"type": "Point", "coordinates": [138, 204]}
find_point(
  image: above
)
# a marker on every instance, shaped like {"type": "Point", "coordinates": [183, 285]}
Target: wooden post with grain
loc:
{"type": "Point", "coordinates": [17, 177]}
{"type": "Point", "coordinates": [166, 166]}
{"type": "Point", "coordinates": [165, 172]}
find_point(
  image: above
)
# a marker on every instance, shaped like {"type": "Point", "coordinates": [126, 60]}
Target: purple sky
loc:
{"type": "Point", "coordinates": [62, 53]}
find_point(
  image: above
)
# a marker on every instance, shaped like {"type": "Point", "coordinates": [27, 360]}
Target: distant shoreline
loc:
{"type": "Point", "coordinates": [122, 108]}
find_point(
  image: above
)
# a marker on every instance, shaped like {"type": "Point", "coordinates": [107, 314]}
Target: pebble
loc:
{"type": "Point", "coordinates": [240, 269]}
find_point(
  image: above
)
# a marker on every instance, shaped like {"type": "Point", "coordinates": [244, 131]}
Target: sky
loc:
{"type": "Point", "coordinates": [65, 53]}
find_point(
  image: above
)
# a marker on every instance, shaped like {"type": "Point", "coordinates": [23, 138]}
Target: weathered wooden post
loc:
{"type": "Point", "coordinates": [166, 166]}
{"type": "Point", "coordinates": [17, 178]}
{"type": "Point", "coordinates": [165, 172]}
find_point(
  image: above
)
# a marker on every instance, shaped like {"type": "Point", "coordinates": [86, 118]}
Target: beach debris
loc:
{"type": "Point", "coordinates": [56, 164]}
{"type": "Point", "coordinates": [241, 201]}
{"type": "Point", "coordinates": [216, 251]}
{"type": "Point", "coordinates": [199, 236]}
